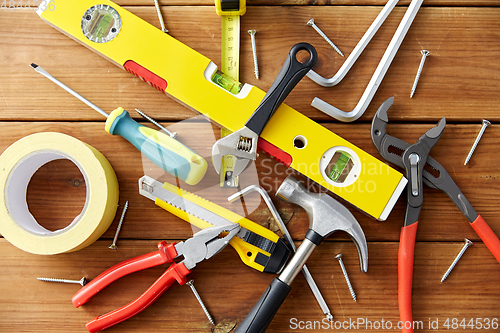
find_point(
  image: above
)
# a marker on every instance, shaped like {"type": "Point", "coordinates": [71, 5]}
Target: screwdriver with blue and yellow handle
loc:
{"type": "Point", "coordinates": [163, 150]}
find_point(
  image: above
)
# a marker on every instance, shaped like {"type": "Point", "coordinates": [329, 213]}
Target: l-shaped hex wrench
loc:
{"type": "Point", "coordinates": [288, 237]}
{"type": "Point", "coordinates": [379, 73]}
{"type": "Point", "coordinates": [363, 42]}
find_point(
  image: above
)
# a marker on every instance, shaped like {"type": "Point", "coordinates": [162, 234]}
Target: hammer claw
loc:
{"type": "Point", "coordinates": [326, 216]}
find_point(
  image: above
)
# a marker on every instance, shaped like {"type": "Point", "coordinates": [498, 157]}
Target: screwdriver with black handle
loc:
{"type": "Point", "coordinates": [163, 150]}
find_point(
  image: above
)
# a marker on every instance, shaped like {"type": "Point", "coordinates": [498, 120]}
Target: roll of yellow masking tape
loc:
{"type": "Point", "coordinates": [18, 164]}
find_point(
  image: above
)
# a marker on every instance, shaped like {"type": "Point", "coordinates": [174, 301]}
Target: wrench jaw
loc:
{"type": "Point", "coordinates": [242, 144]}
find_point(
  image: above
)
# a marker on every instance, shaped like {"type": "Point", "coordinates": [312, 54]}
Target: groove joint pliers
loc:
{"type": "Point", "coordinates": [413, 158]}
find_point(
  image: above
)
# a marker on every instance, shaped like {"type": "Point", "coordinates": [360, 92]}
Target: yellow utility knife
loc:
{"type": "Point", "coordinates": [258, 247]}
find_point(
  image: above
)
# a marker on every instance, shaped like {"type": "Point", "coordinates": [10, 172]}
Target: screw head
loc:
{"type": "Point", "coordinates": [83, 281]}
{"type": "Point", "coordinates": [190, 282]}
{"type": "Point", "coordinates": [468, 242]}
{"type": "Point", "coordinates": [310, 22]}
{"type": "Point", "coordinates": [338, 256]}
{"type": "Point", "coordinates": [252, 32]}
{"type": "Point", "coordinates": [425, 53]}
{"type": "Point", "coordinates": [113, 247]}
{"type": "Point", "coordinates": [486, 122]}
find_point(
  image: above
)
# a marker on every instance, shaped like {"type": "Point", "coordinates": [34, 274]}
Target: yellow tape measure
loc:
{"type": "Point", "coordinates": [231, 46]}
{"type": "Point", "coordinates": [230, 10]}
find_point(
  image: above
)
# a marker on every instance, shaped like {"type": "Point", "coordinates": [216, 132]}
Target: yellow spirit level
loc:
{"type": "Point", "coordinates": [191, 78]}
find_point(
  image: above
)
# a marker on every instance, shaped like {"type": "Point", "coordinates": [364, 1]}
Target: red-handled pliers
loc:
{"type": "Point", "coordinates": [413, 158]}
{"type": "Point", "coordinates": [203, 245]}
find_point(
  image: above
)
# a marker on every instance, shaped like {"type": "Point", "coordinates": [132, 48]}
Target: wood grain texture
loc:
{"type": "Point", "coordinates": [460, 81]}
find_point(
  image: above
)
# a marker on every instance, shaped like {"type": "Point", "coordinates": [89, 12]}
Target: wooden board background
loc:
{"type": "Point", "coordinates": [460, 81]}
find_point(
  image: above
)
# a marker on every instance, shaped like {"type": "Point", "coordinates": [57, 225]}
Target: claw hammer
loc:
{"type": "Point", "coordinates": [326, 216]}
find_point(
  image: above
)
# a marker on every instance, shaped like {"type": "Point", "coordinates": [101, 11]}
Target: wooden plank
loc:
{"type": "Point", "coordinates": [250, 4]}
{"type": "Point", "coordinates": [456, 82]}
{"type": "Point", "coordinates": [26, 302]}
{"type": "Point", "coordinates": [440, 218]}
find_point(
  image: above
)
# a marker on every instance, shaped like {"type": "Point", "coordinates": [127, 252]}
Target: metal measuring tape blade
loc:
{"type": "Point", "coordinates": [230, 11]}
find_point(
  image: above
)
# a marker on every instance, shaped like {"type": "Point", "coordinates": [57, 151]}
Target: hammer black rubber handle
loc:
{"type": "Point", "coordinates": [264, 310]}
{"type": "Point", "coordinates": [288, 77]}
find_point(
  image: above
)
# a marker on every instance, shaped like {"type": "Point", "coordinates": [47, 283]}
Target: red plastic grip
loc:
{"type": "Point", "coordinates": [487, 236]}
{"type": "Point", "coordinates": [146, 75]}
{"type": "Point", "coordinates": [166, 253]}
{"type": "Point", "coordinates": [174, 272]}
{"type": "Point", "coordinates": [405, 275]}
{"type": "Point", "coordinates": [280, 155]}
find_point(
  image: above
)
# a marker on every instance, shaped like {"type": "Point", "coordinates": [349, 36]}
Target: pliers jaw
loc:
{"type": "Point", "coordinates": [384, 142]}
{"type": "Point", "coordinates": [205, 244]}
{"type": "Point", "coordinates": [412, 158]}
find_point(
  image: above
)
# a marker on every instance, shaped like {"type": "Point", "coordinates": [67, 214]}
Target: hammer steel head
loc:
{"type": "Point", "coordinates": [326, 215]}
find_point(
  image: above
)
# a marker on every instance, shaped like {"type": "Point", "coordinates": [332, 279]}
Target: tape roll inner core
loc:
{"type": "Point", "coordinates": [17, 186]}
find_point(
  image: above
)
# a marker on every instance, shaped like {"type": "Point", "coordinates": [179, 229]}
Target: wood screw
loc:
{"type": "Point", "coordinates": [254, 51]}
{"type": "Point", "coordinates": [190, 283]}
{"type": "Point", "coordinates": [339, 258]}
{"type": "Point", "coordinates": [160, 17]}
{"type": "Point", "coordinates": [83, 281]}
{"type": "Point", "coordinates": [485, 124]}
{"type": "Point", "coordinates": [467, 244]}
{"type": "Point", "coordinates": [425, 53]}
{"type": "Point", "coordinates": [113, 246]}
{"type": "Point", "coordinates": [325, 37]}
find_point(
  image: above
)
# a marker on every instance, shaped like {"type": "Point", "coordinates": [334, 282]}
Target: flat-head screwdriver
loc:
{"type": "Point", "coordinates": [164, 151]}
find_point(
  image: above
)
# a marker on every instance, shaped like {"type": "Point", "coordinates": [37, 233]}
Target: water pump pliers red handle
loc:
{"type": "Point", "coordinates": [401, 153]}
{"type": "Point", "coordinates": [203, 245]}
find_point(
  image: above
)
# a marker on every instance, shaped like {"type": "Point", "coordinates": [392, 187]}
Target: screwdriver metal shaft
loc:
{"type": "Point", "coordinates": [154, 122]}
{"type": "Point", "coordinates": [68, 89]}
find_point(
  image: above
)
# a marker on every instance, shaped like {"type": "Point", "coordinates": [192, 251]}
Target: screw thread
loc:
{"type": "Point", "coordinates": [254, 53]}
{"type": "Point", "coordinates": [481, 132]}
{"type": "Point", "coordinates": [457, 258]}
{"type": "Point", "coordinates": [417, 77]}
{"type": "Point", "coordinates": [81, 282]}
{"type": "Point", "coordinates": [325, 37]}
{"type": "Point", "coordinates": [160, 16]}
{"type": "Point", "coordinates": [113, 246]}
{"type": "Point", "coordinates": [191, 285]}
{"type": "Point", "coordinates": [347, 280]}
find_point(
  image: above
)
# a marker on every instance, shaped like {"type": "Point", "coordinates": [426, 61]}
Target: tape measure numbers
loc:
{"type": "Point", "coordinates": [230, 47]}
{"type": "Point", "coordinates": [230, 10]}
